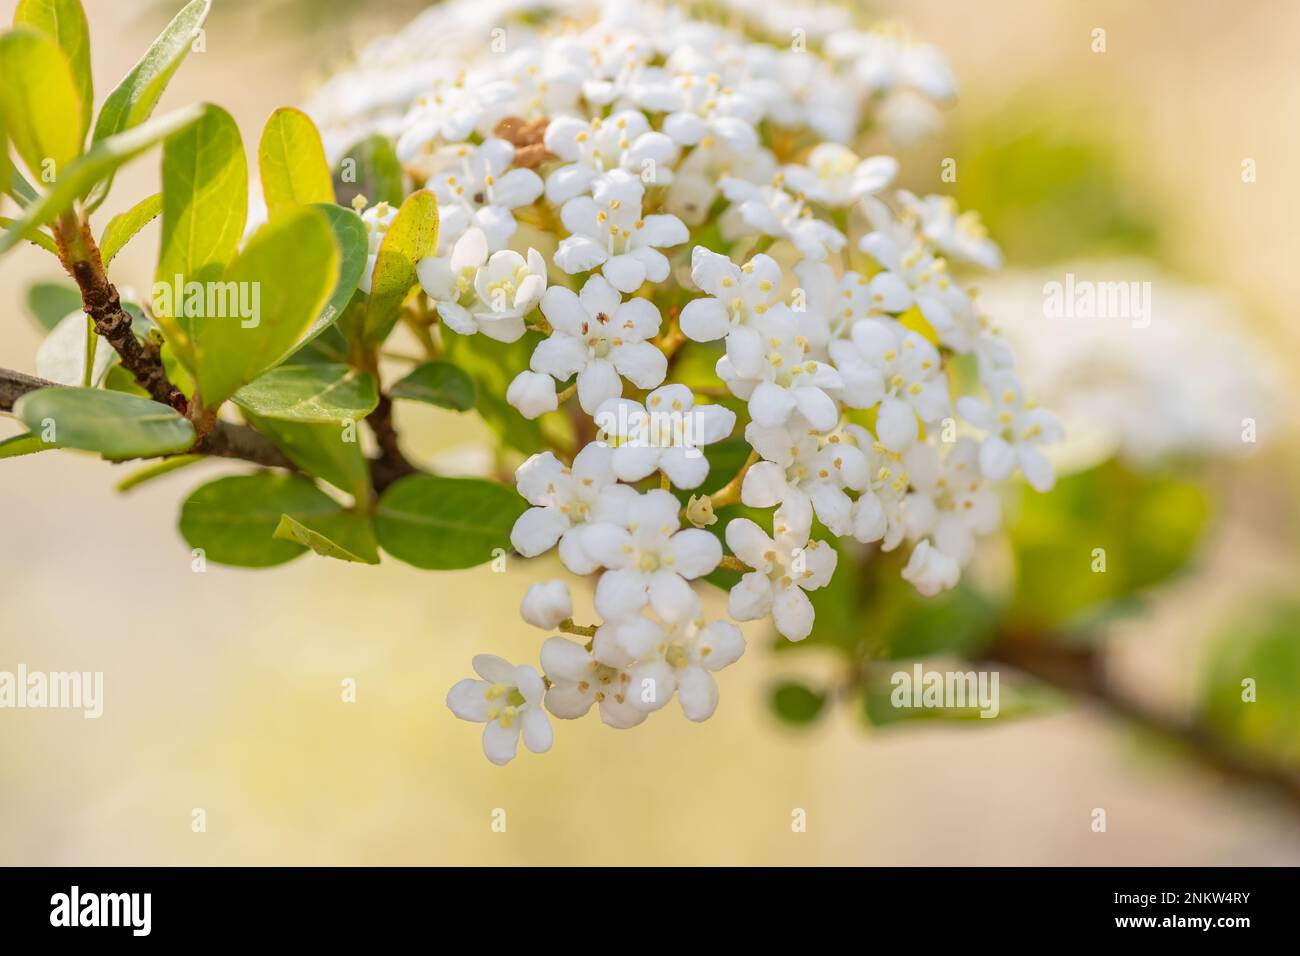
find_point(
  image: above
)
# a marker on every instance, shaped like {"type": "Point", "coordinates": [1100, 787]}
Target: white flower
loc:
{"type": "Point", "coordinates": [784, 569]}
{"type": "Point", "coordinates": [581, 677]}
{"type": "Point", "coordinates": [533, 394]}
{"type": "Point", "coordinates": [598, 336]}
{"type": "Point", "coordinates": [700, 105]}
{"type": "Point", "coordinates": [695, 181]}
{"type": "Point", "coordinates": [563, 500]}
{"type": "Point", "coordinates": [450, 112]}
{"type": "Point", "coordinates": [777, 378]}
{"type": "Point", "coordinates": [737, 296]}
{"type": "Point", "coordinates": [677, 655]}
{"type": "Point", "coordinates": [930, 570]}
{"type": "Point", "coordinates": [882, 362]}
{"type": "Point", "coordinates": [509, 701]}
{"type": "Point", "coordinates": [545, 82]}
{"type": "Point", "coordinates": [772, 211]}
{"type": "Point", "coordinates": [833, 304]}
{"type": "Point", "coordinates": [665, 433]}
{"type": "Point", "coordinates": [834, 175]}
{"type": "Point", "coordinates": [607, 231]}
{"type": "Point", "coordinates": [377, 219]}
{"type": "Point", "coordinates": [878, 513]}
{"type": "Point", "coordinates": [477, 293]}
{"type": "Point", "coordinates": [958, 234]}
{"type": "Point", "coordinates": [1016, 429]}
{"type": "Point", "coordinates": [804, 472]}
{"type": "Point", "coordinates": [474, 189]}
{"type": "Point", "coordinates": [648, 557]}
{"type": "Point", "coordinates": [623, 141]}
{"type": "Point", "coordinates": [545, 605]}
{"type": "Point", "coordinates": [950, 501]}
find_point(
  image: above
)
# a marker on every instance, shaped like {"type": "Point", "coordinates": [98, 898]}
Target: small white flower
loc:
{"type": "Point", "coordinates": [377, 219]}
{"type": "Point", "coordinates": [695, 181]}
{"type": "Point", "coordinates": [648, 557]}
{"type": "Point", "coordinates": [784, 569]}
{"type": "Point", "coordinates": [474, 188]}
{"type": "Point", "coordinates": [833, 304]}
{"type": "Point", "coordinates": [1015, 430]}
{"type": "Point", "coordinates": [598, 336]}
{"type": "Point", "coordinates": [804, 472]}
{"type": "Point", "coordinates": [772, 211]}
{"type": "Point", "coordinates": [958, 234]}
{"type": "Point", "coordinates": [581, 677]}
{"type": "Point", "coordinates": [737, 297]}
{"type": "Point", "coordinates": [545, 605]}
{"type": "Point", "coordinates": [666, 433]}
{"type": "Point", "coordinates": [777, 377]}
{"type": "Point", "coordinates": [878, 513]}
{"type": "Point", "coordinates": [931, 571]}
{"type": "Point", "coordinates": [883, 362]}
{"type": "Point", "coordinates": [450, 112]}
{"type": "Point", "coordinates": [950, 502]}
{"type": "Point", "coordinates": [565, 499]}
{"type": "Point", "coordinates": [700, 105]}
{"type": "Point", "coordinates": [834, 175]}
{"type": "Point", "coordinates": [533, 394]}
{"type": "Point", "coordinates": [590, 150]}
{"type": "Point", "coordinates": [477, 293]}
{"type": "Point", "coordinates": [607, 231]}
{"type": "Point", "coordinates": [509, 701]}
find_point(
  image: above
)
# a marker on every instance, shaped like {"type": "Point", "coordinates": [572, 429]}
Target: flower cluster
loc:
{"type": "Point", "coordinates": [697, 188]}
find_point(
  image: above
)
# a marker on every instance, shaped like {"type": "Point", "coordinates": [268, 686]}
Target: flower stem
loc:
{"type": "Point", "coordinates": [730, 562]}
{"type": "Point", "coordinates": [568, 627]}
{"type": "Point", "coordinates": [729, 493]}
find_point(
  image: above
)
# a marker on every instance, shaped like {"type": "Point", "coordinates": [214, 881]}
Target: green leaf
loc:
{"type": "Point", "coordinates": [354, 247]}
{"type": "Point", "coordinates": [20, 445]}
{"type": "Point", "coordinates": [65, 22]}
{"type": "Point", "coordinates": [311, 393]}
{"type": "Point", "coordinates": [102, 159]}
{"type": "Point", "coordinates": [61, 357]}
{"type": "Point", "coordinates": [157, 470]}
{"type": "Point", "coordinates": [205, 206]}
{"type": "Point", "coordinates": [370, 169]}
{"type": "Point", "coordinates": [437, 383]}
{"type": "Point", "coordinates": [114, 424]}
{"type": "Point", "coordinates": [347, 537]}
{"type": "Point", "coordinates": [35, 236]}
{"type": "Point", "coordinates": [133, 100]}
{"type": "Point", "coordinates": [39, 102]}
{"type": "Point", "coordinates": [49, 303]}
{"type": "Point", "coordinates": [412, 236]}
{"type": "Point", "coordinates": [330, 452]}
{"type": "Point", "coordinates": [795, 703]}
{"type": "Point", "coordinates": [889, 700]}
{"type": "Point", "coordinates": [123, 227]}
{"type": "Point", "coordinates": [441, 524]}
{"type": "Point", "coordinates": [287, 270]}
{"type": "Point", "coordinates": [233, 520]}
{"type": "Point", "coordinates": [292, 162]}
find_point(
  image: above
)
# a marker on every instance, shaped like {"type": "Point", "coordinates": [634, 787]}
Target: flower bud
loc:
{"type": "Point", "coordinates": [546, 605]}
{"type": "Point", "coordinates": [533, 394]}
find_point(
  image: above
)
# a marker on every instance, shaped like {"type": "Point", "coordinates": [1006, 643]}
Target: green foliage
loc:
{"type": "Point", "coordinates": [294, 261]}
{"type": "Point", "coordinates": [1264, 650]}
{"type": "Point", "coordinates": [62, 356]}
{"type": "Point", "coordinates": [123, 227]}
{"type": "Point", "coordinates": [437, 383]}
{"type": "Point", "coordinates": [796, 703]}
{"type": "Point", "coordinates": [370, 169]}
{"type": "Point", "coordinates": [1014, 699]}
{"type": "Point", "coordinates": [493, 365]}
{"type": "Point", "coordinates": [39, 102]}
{"type": "Point", "coordinates": [156, 469]}
{"type": "Point", "coordinates": [234, 519]}
{"type": "Point", "coordinates": [292, 162]}
{"type": "Point", "coordinates": [64, 21]}
{"type": "Point", "coordinates": [28, 444]}
{"type": "Point", "coordinates": [441, 524]}
{"type": "Point", "coordinates": [49, 303]}
{"type": "Point", "coordinates": [412, 236]}
{"type": "Point", "coordinates": [1147, 525]}
{"type": "Point", "coordinates": [114, 424]}
{"type": "Point", "coordinates": [350, 235]}
{"type": "Point", "coordinates": [351, 538]}
{"type": "Point", "coordinates": [311, 393]}
{"type": "Point", "coordinates": [329, 452]}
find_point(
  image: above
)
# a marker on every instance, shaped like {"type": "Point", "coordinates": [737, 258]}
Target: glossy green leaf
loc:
{"type": "Point", "coordinates": [49, 303]}
{"type": "Point", "coordinates": [156, 470]}
{"type": "Point", "coordinates": [311, 393]}
{"type": "Point", "coordinates": [446, 523]}
{"type": "Point", "coordinates": [114, 424]}
{"type": "Point", "coordinates": [205, 206]}
{"type": "Point", "coordinates": [330, 452]}
{"type": "Point", "coordinates": [437, 383]}
{"type": "Point", "coordinates": [347, 537]}
{"type": "Point", "coordinates": [133, 100]}
{"type": "Point", "coordinates": [99, 161]}
{"type": "Point", "coordinates": [287, 272]}
{"type": "Point", "coordinates": [292, 162]}
{"type": "Point", "coordinates": [20, 445]}
{"type": "Point", "coordinates": [123, 227]}
{"type": "Point", "coordinates": [796, 703]}
{"type": "Point", "coordinates": [354, 248]}
{"type": "Point", "coordinates": [233, 520]}
{"type": "Point", "coordinates": [412, 236]}
{"type": "Point", "coordinates": [370, 169]}
{"type": "Point", "coordinates": [39, 102]}
{"type": "Point", "coordinates": [64, 21]}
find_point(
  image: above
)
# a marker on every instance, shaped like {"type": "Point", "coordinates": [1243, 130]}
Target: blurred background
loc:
{"type": "Point", "coordinates": [223, 689]}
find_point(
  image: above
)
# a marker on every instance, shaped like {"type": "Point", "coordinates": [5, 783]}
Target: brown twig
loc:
{"type": "Point", "coordinates": [391, 463]}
